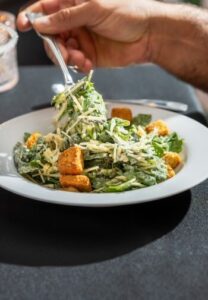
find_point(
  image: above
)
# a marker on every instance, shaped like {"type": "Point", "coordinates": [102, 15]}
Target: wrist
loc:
{"type": "Point", "coordinates": [164, 22]}
{"type": "Point", "coordinates": [178, 42]}
{"type": "Point", "coordinates": [171, 27]}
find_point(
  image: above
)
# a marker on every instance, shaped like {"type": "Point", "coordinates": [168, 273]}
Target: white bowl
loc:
{"type": "Point", "coordinates": [194, 170]}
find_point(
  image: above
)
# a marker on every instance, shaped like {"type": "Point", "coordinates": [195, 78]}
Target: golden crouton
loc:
{"type": "Point", "coordinates": [71, 161]}
{"type": "Point", "coordinates": [71, 189]}
{"type": "Point", "coordinates": [160, 126]}
{"type": "Point", "coordinates": [172, 159]}
{"type": "Point", "coordinates": [171, 172]}
{"type": "Point", "coordinates": [32, 140]}
{"type": "Point", "coordinates": [80, 182]}
{"type": "Point", "coordinates": [122, 113]}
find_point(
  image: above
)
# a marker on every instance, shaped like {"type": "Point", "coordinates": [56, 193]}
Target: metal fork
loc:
{"type": "Point", "coordinates": [55, 49]}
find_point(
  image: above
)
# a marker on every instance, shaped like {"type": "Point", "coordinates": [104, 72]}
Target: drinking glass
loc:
{"type": "Point", "coordinates": [8, 58]}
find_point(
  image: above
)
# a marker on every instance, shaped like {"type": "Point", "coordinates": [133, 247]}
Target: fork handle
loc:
{"type": "Point", "coordinates": [55, 48]}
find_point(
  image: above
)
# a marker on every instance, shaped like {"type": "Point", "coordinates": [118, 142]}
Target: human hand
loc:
{"type": "Point", "coordinates": [96, 32]}
{"type": "Point", "coordinates": [113, 33]}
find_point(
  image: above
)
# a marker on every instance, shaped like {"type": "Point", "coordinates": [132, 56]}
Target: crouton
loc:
{"type": "Point", "coordinates": [122, 113]}
{"type": "Point", "coordinates": [71, 189]}
{"type": "Point", "coordinates": [171, 172]}
{"type": "Point", "coordinates": [32, 140]}
{"type": "Point", "coordinates": [160, 126]}
{"type": "Point", "coordinates": [71, 161]}
{"type": "Point", "coordinates": [80, 182]}
{"type": "Point", "coordinates": [172, 159]}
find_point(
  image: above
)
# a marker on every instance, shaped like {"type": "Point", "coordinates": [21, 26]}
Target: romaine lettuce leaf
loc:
{"type": "Point", "coordinates": [142, 120]}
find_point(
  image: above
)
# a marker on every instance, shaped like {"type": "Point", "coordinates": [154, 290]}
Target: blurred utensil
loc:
{"type": "Point", "coordinates": [54, 48]}
{"type": "Point", "coordinates": [168, 105]}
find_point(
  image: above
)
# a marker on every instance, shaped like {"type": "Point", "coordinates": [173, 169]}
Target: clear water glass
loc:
{"type": "Point", "coordinates": [9, 75]}
{"type": "Point", "coordinates": [7, 19]}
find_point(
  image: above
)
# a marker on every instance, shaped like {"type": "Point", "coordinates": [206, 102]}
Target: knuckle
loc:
{"type": "Point", "coordinates": [63, 16]}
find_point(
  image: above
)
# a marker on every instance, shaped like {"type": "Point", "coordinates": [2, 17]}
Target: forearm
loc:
{"type": "Point", "coordinates": [179, 43]}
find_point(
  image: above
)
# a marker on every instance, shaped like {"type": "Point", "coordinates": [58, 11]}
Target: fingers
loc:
{"type": "Point", "coordinates": [72, 43]}
{"type": "Point", "coordinates": [88, 66]}
{"type": "Point", "coordinates": [62, 48]}
{"type": "Point", "coordinates": [42, 6]}
{"type": "Point", "coordinates": [86, 43]}
{"type": "Point", "coordinates": [75, 58]}
{"type": "Point", "coordinates": [64, 19]}
{"type": "Point", "coordinates": [71, 54]}
{"type": "Point", "coordinates": [85, 57]}
{"type": "Point", "coordinates": [78, 58]}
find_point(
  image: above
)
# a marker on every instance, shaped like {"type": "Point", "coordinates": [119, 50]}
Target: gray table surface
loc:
{"type": "Point", "coordinates": [156, 251]}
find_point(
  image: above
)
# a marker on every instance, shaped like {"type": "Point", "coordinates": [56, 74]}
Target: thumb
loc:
{"type": "Point", "coordinates": [64, 20]}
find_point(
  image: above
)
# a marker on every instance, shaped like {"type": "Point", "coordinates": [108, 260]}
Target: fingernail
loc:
{"type": "Point", "coordinates": [42, 21]}
{"type": "Point", "coordinates": [25, 21]}
{"type": "Point", "coordinates": [22, 23]}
